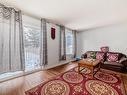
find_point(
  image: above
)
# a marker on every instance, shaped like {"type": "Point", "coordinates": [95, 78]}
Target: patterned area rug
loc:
{"type": "Point", "coordinates": [105, 82]}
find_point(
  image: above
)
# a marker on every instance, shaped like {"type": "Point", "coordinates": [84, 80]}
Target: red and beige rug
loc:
{"type": "Point", "coordinates": [71, 82]}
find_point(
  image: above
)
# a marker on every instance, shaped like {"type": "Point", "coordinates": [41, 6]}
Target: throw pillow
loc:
{"type": "Point", "coordinates": [100, 56]}
{"type": "Point", "coordinates": [104, 49]}
{"type": "Point", "coordinates": [90, 54]}
{"type": "Point", "coordinates": [112, 57]}
{"type": "Point", "coordinates": [93, 55]}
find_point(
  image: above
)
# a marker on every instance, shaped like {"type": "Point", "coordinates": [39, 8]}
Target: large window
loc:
{"type": "Point", "coordinates": [69, 42]}
{"type": "Point", "coordinates": [32, 43]}
{"type": "Point", "coordinates": [32, 47]}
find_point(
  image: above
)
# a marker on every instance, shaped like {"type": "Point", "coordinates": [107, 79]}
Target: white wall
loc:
{"type": "Point", "coordinates": [114, 36]}
{"type": "Point", "coordinates": [53, 45]}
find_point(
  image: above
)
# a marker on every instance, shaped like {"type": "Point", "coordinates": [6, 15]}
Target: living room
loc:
{"type": "Point", "coordinates": [68, 47]}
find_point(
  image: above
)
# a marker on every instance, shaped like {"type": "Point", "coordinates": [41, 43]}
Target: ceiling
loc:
{"type": "Point", "coordinates": [74, 14]}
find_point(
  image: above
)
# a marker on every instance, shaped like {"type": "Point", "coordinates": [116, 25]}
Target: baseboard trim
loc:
{"type": "Point", "coordinates": [59, 64]}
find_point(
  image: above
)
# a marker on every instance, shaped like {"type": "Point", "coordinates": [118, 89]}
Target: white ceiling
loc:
{"type": "Point", "coordinates": [74, 14]}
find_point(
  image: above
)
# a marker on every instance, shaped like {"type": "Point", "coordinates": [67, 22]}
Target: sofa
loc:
{"type": "Point", "coordinates": [109, 60]}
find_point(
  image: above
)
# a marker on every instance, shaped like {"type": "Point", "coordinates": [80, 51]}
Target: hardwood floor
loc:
{"type": "Point", "coordinates": [19, 85]}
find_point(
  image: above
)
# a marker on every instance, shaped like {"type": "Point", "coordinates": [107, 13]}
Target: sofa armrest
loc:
{"type": "Point", "coordinates": [123, 61]}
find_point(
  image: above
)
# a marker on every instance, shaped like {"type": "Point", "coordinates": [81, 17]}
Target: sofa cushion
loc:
{"type": "Point", "coordinates": [100, 56]}
{"type": "Point", "coordinates": [112, 57]}
{"type": "Point", "coordinates": [113, 63]}
{"type": "Point", "coordinates": [120, 55]}
{"type": "Point", "coordinates": [104, 49]}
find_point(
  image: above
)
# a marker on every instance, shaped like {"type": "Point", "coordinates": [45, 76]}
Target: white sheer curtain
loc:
{"type": "Point", "coordinates": [11, 40]}
{"type": "Point", "coordinates": [69, 42]}
{"type": "Point", "coordinates": [32, 42]}
{"type": "Point", "coordinates": [35, 43]}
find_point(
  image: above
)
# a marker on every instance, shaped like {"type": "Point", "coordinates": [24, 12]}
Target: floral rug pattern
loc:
{"type": "Point", "coordinates": [72, 83]}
